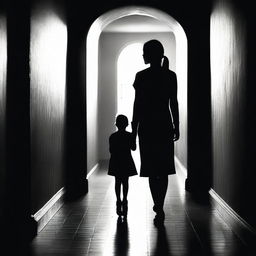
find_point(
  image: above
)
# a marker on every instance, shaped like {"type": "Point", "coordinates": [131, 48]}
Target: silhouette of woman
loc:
{"type": "Point", "coordinates": [156, 121]}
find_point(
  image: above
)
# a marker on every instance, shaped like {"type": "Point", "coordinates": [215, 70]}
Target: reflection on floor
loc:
{"type": "Point", "coordinates": [90, 225]}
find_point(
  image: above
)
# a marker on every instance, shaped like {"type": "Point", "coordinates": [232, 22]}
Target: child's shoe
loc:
{"type": "Point", "coordinates": [160, 216]}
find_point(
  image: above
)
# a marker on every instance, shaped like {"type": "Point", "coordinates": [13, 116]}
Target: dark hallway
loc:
{"type": "Point", "coordinates": [58, 101]}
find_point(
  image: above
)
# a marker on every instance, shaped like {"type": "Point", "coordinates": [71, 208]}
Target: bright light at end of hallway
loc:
{"type": "Point", "coordinates": [130, 61]}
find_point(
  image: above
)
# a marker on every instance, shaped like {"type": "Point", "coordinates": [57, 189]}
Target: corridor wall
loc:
{"type": "Point", "coordinates": [16, 145]}
{"type": "Point", "coordinates": [3, 64]}
{"type": "Point", "coordinates": [48, 50]}
{"type": "Point", "coordinates": [233, 107]}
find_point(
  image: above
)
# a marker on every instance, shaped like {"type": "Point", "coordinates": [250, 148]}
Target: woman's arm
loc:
{"type": "Point", "coordinates": [135, 123]}
{"type": "Point", "coordinates": [135, 116]}
{"type": "Point", "coordinates": [175, 108]}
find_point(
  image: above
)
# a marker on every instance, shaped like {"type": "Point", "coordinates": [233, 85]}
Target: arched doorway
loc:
{"type": "Point", "coordinates": [127, 65]}
{"type": "Point", "coordinates": [98, 98]}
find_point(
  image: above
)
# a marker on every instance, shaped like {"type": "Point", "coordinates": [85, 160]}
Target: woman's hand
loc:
{"type": "Point", "coordinates": [133, 142]}
{"type": "Point", "coordinates": [134, 135]}
{"type": "Point", "coordinates": [176, 134]}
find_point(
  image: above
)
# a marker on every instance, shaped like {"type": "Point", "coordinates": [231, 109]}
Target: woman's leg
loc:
{"type": "Point", "coordinates": [118, 188]}
{"type": "Point", "coordinates": [154, 189]}
{"type": "Point", "coordinates": [163, 185]}
{"type": "Point", "coordinates": [158, 187]}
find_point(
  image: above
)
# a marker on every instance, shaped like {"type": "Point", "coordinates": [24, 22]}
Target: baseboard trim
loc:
{"type": "Point", "coordinates": [94, 168]}
{"type": "Point", "coordinates": [237, 224]}
{"type": "Point", "coordinates": [43, 216]}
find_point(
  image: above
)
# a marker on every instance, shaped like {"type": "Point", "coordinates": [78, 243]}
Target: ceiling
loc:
{"type": "Point", "coordinates": [137, 23]}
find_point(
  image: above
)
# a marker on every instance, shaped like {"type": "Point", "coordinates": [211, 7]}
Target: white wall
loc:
{"type": "Point", "coordinates": [48, 49]}
{"type": "Point", "coordinates": [228, 97]}
{"type": "Point", "coordinates": [3, 64]}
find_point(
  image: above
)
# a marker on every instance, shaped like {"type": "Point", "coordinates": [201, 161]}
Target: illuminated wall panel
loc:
{"type": "Point", "coordinates": [3, 63]}
{"type": "Point", "coordinates": [92, 96]}
{"type": "Point", "coordinates": [228, 83]}
{"type": "Point", "coordinates": [48, 83]}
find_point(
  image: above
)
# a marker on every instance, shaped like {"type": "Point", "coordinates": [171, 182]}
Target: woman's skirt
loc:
{"type": "Point", "coordinates": [156, 154]}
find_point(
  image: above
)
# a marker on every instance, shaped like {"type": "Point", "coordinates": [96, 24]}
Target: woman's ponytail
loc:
{"type": "Point", "coordinates": [165, 63]}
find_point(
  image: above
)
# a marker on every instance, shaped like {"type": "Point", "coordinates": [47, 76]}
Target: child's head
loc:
{"type": "Point", "coordinates": [121, 122]}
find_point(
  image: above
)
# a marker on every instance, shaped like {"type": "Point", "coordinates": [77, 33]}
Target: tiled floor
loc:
{"type": "Point", "coordinates": [89, 226]}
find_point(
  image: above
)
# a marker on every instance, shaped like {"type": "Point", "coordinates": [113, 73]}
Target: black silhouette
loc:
{"type": "Point", "coordinates": [162, 246]}
{"type": "Point", "coordinates": [156, 120]}
{"type": "Point", "coordinates": [121, 238]}
{"type": "Point", "coordinates": [121, 164]}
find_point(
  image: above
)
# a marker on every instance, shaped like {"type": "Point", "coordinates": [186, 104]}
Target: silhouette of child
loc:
{"type": "Point", "coordinates": [121, 164]}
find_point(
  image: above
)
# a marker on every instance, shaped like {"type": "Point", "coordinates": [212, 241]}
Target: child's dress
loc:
{"type": "Point", "coordinates": [121, 163]}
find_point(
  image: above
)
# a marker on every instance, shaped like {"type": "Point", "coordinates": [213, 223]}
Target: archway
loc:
{"type": "Point", "coordinates": [92, 79]}
{"type": "Point", "coordinates": [125, 77]}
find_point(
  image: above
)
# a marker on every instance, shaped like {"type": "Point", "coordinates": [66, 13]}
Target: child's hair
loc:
{"type": "Point", "coordinates": [121, 121]}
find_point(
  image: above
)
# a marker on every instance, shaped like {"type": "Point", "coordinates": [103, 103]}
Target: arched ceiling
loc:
{"type": "Point", "coordinates": [137, 23]}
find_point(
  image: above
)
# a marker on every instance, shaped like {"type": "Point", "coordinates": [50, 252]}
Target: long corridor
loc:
{"type": "Point", "coordinates": [90, 226]}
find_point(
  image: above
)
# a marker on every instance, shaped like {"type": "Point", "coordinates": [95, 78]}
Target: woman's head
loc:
{"type": "Point", "coordinates": [153, 51]}
{"type": "Point", "coordinates": [121, 121]}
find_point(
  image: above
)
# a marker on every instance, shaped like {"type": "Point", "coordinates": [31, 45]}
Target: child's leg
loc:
{"type": "Point", "coordinates": [125, 183]}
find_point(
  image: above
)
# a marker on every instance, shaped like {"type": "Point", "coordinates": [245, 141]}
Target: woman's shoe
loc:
{"type": "Point", "coordinates": [119, 208]}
